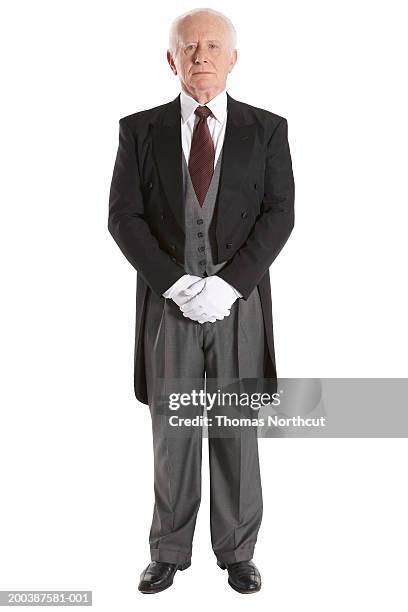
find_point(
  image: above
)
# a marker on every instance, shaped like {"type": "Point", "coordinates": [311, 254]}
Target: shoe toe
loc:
{"type": "Point", "coordinates": [146, 587]}
{"type": "Point", "coordinates": [244, 577]}
{"type": "Point", "coordinates": [156, 577]}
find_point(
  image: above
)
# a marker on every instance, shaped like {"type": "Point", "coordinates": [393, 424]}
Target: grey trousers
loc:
{"type": "Point", "coordinates": [182, 355]}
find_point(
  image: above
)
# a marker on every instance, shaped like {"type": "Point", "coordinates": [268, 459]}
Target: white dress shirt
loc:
{"type": "Point", "coordinates": [216, 122]}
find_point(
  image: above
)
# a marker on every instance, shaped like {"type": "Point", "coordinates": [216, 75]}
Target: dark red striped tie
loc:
{"type": "Point", "coordinates": [202, 155]}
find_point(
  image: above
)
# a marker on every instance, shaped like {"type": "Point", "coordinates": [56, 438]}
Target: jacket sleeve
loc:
{"type": "Point", "coordinates": [127, 222]}
{"type": "Point", "coordinates": [275, 222]}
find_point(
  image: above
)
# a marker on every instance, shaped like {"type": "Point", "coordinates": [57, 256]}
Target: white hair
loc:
{"type": "Point", "coordinates": [173, 35]}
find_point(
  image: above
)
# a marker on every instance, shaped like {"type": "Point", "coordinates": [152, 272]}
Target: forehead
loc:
{"type": "Point", "coordinates": [202, 27]}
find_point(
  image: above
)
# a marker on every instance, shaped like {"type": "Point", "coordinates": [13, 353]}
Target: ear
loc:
{"type": "Point", "coordinates": [171, 62]}
{"type": "Point", "coordinates": [233, 60]}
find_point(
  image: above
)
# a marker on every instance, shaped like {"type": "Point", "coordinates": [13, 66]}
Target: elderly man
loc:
{"type": "Point", "coordinates": [201, 203]}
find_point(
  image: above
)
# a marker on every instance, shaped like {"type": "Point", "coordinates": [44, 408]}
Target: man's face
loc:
{"type": "Point", "coordinates": [203, 59]}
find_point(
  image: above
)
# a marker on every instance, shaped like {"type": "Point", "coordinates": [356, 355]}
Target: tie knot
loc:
{"type": "Point", "coordinates": [203, 112]}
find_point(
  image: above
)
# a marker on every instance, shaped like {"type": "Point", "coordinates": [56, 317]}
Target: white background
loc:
{"type": "Point", "coordinates": [76, 450]}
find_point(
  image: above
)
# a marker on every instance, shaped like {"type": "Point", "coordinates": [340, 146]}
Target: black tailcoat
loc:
{"type": "Point", "coordinates": [253, 215]}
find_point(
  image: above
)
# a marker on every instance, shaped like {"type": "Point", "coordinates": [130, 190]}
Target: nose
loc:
{"type": "Point", "coordinates": [199, 57]}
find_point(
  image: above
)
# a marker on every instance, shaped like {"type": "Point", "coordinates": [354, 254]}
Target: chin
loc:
{"type": "Point", "coordinates": [204, 82]}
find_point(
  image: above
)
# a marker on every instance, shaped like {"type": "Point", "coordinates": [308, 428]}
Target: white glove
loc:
{"type": "Point", "coordinates": [211, 299]}
{"type": "Point", "coordinates": [176, 291]}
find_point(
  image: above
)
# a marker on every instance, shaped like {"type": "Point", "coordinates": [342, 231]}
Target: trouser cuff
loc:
{"type": "Point", "coordinates": [168, 555]}
{"type": "Point", "coordinates": [233, 556]}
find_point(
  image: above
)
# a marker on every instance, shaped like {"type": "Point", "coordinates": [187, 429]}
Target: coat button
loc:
{"type": "Point", "coordinates": [173, 246]}
{"type": "Point", "coordinates": [162, 216]}
{"type": "Point", "coordinates": [228, 245]}
{"type": "Point", "coordinates": [200, 234]}
{"type": "Point", "coordinates": [150, 185]}
{"type": "Point", "coordinates": [244, 214]}
{"type": "Point", "coordinates": [173, 259]}
{"type": "Point", "coordinates": [201, 248]}
{"type": "Point", "coordinates": [199, 221]}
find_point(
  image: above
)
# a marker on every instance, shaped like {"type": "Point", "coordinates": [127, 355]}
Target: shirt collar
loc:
{"type": "Point", "coordinates": [218, 106]}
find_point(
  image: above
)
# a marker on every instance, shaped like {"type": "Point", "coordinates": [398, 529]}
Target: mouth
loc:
{"type": "Point", "coordinates": [194, 73]}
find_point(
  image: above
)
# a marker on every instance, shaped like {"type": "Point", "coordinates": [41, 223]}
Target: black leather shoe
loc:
{"type": "Point", "coordinates": [159, 575]}
{"type": "Point", "coordinates": [243, 576]}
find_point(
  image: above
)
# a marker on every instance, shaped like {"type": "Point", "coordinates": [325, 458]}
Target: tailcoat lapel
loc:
{"type": "Point", "coordinates": [237, 151]}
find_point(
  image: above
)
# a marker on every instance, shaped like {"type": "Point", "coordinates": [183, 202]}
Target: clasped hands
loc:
{"type": "Point", "coordinates": [203, 299]}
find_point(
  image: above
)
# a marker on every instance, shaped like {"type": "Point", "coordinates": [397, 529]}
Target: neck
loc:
{"type": "Point", "coordinates": [202, 97]}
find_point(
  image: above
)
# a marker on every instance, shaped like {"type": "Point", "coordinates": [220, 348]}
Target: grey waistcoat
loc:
{"type": "Point", "coordinates": [200, 232]}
